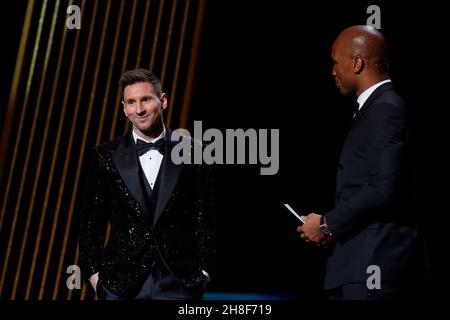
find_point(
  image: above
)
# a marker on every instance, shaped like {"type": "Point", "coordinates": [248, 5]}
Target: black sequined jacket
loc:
{"type": "Point", "coordinates": [181, 228]}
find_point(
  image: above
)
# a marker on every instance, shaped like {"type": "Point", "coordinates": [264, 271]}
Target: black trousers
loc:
{"type": "Point", "coordinates": [161, 284]}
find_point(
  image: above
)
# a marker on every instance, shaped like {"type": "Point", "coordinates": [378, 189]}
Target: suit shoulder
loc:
{"type": "Point", "coordinates": [389, 99]}
{"type": "Point", "coordinates": [108, 146]}
{"type": "Point", "coordinates": [387, 105]}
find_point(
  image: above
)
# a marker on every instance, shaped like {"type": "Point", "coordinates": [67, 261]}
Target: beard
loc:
{"type": "Point", "coordinates": [150, 126]}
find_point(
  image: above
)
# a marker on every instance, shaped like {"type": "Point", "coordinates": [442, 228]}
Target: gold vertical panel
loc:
{"type": "Point", "coordinates": [155, 37]}
{"type": "Point", "coordinates": [177, 63]}
{"type": "Point", "coordinates": [16, 147]}
{"type": "Point", "coordinates": [85, 134]}
{"type": "Point", "coordinates": [141, 44]}
{"type": "Point", "coordinates": [41, 153]}
{"type": "Point", "coordinates": [69, 96]}
{"type": "Point", "coordinates": [52, 167]}
{"type": "Point", "coordinates": [13, 93]}
{"type": "Point", "coordinates": [168, 41]}
{"type": "Point", "coordinates": [143, 31]}
{"type": "Point", "coordinates": [124, 65]}
{"type": "Point", "coordinates": [54, 164]}
{"type": "Point", "coordinates": [110, 72]}
{"type": "Point", "coordinates": [192, 64]}
{"type": "Point", "coordinates": [71, 140]}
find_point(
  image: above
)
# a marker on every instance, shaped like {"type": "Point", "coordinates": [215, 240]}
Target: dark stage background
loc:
{"type": "Point", "coordinates": [255, 64]}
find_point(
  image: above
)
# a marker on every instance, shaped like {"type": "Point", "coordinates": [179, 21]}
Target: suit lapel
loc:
{"type": "Point", "coordinates": [127, 164]}
{"type": "Point", "coordinates": [378, 91]}
{"type": "Point", "coordinates": [169, 176]}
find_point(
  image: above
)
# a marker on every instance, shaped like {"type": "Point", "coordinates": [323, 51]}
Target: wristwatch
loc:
{"type": "Point", "coordinates": [324, 227]}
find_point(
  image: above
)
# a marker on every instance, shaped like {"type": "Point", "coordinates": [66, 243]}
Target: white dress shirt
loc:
{"type": "Point", "coordinates": [151, 160]}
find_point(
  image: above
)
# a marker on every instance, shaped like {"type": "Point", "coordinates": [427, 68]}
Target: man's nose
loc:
{"type": "Point", "coordinates": [139, 107]}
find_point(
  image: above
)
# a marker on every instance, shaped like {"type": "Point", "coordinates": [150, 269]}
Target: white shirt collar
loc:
{"type": "Point", "coordinates": [136, 136]}
{"type": "Point", "coordinates": [366, 94]}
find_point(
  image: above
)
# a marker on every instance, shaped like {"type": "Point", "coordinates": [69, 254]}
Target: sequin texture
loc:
{"type": "Point", "coordinates": [184, 233]}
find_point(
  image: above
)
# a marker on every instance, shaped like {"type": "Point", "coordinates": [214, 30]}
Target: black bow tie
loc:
{"type": "Point", "coordinates": [142, 147]}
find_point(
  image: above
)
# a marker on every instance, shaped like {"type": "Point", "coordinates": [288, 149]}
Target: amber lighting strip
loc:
{"type": "Point", "coordinates": [16, 147]}
{"type": "Point", "coordinates": [41, 152]}
{"type": "Point", "coordinates": [69, 150]}
{"type": "Point", "coordinates": [192, 64]}
{"type": "Point", "coordinates": [124, 65]}
{"type": "Point", "coordinates": [54, 164]}
{"type": "Point", "coordinates": [52, 167]}
{"type": "Point", "coordinates": [13, 93]}
{"type": "Point", "coordinates": [178, 63]}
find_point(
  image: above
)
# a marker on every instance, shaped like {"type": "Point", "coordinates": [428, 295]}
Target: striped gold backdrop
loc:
{"type": "Point", "coordinates": [63, 100]}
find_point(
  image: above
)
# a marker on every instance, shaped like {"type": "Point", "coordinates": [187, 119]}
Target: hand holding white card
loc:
{"type": "Point", "coordinates": [294, 213]}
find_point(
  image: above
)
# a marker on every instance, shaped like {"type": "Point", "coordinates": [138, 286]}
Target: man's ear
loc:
{"type": "Point", "coordinates": [164, 101]}
{"type": "Point", "coordinates": [358, 64]}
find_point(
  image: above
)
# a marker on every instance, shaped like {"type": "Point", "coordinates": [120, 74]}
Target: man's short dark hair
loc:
{"type": "Point", "coordinates": [140, 75]}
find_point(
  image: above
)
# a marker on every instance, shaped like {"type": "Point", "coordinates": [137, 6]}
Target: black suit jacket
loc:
{"type": "Point", "coordinates": [369, 221]}
{"type": "Point", "coordinates": [182, 230]}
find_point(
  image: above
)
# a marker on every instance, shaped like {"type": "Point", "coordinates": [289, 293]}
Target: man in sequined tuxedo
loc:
{"type": "Point", "coordinates": [161, 215]}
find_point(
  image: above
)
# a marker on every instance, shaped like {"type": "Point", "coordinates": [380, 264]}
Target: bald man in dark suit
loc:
{"type": "Point", "coordinates": [372, 238]}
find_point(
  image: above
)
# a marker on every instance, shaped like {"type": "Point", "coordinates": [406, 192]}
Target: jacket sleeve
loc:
{"type": "Point", "coordinates": [205, 233]}
{"type": "Point", "coordinates": [93, 219]}
{"type": "Point", "coordinates": [384, 157]}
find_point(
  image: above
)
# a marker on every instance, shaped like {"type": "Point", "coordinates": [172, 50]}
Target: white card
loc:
{"type": "Point", "coordinates": [293, 212]}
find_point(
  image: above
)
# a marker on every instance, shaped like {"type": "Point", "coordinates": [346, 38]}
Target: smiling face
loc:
{"type": "Point", "coordinates": [144, 108]}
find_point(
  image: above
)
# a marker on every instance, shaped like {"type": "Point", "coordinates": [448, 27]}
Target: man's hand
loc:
{"type": "Point", "coordinates": [310, 231]}
{"type": "Point", "coordinates": [93, 280]}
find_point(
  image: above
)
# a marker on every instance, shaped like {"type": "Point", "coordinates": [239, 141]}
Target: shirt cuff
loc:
{"type": "Point", "coordinates": [206, 274]}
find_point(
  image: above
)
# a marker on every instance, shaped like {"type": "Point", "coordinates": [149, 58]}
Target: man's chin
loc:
{"type": "Point", "coordinates": [143, 129]}
{"type": "Point", "coordinates": [146, 130]}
